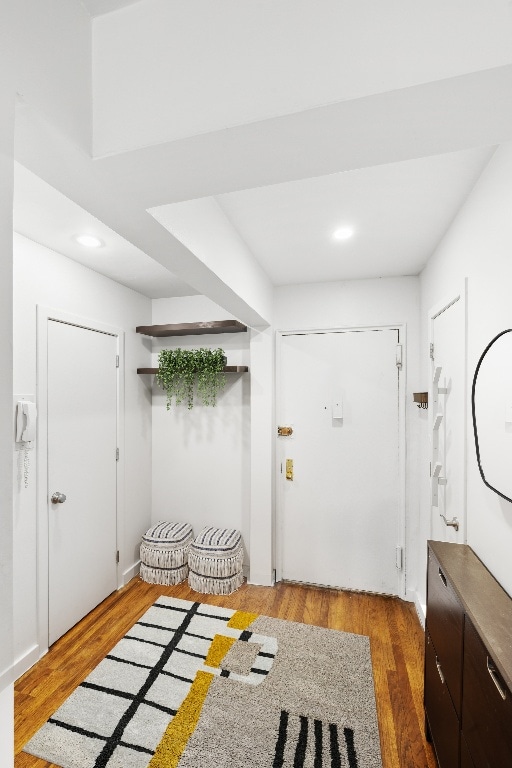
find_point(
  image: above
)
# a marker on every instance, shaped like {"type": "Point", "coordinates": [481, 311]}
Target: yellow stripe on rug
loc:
{"type": "Point", "coordinates": [242, 620]}
{"type": "Point", "coordinates": [220, 645]}
{"type": "Point", "coordinates": [182, 726]}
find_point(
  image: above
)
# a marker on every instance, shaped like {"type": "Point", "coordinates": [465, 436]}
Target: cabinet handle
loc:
{"type": "Point", "coordinates": [439, 670]}
{"type": "Point", "coordinates": [492, 672]}
{"type": "Point", "coordinates": [442, 577]}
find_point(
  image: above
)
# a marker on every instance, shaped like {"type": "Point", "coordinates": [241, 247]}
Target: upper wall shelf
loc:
{"type": "Point", "coordinates": [192, 329]}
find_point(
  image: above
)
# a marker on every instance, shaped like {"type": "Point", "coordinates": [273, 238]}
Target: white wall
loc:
{"type": "Point", "coordinates": [54, 60]}
{"type": "Point", "coordinates": [44, 277]}
{"type": "Point", "coordinates": [6, 726]}
{"type": "Point", "coordinates": [360, 303]}
{"type": "Point", "coordinates": [262, 473]}
{"type": "Point", "coordinates": [7, 101]}
{"type": "Point", "coordinates": [201, 457]}
{"type": "Point", "coordinates": [477, 246]}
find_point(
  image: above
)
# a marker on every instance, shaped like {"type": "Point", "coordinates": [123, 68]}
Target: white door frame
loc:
{"type": "Point", "coordinates": [44, 314]}
{"type": "Point", "coordinates": [402, 381]}
{"type": "Point", "coordinates": [460, 295]}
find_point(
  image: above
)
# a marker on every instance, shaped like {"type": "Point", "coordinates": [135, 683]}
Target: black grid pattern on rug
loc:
{"type": "Point", "coordinates": [117, 725]}
{"type": "Point", "coordinates": [299, 735]}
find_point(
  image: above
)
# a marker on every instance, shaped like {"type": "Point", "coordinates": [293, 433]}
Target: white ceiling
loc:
{"type": "Point", "coordinates": [46, 216]}
{"type": "Point", "coordinates": [99, 7]}
{"type": "Point", "coordinates": [396, 158]}
{"type": "Point", "coordinates": [399, 212]}
{"type": "Point", "coordinates": [168, 69]}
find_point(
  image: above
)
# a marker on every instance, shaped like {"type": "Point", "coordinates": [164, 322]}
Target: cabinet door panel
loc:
{"type": "Point", "coordinates": [465, 757]}
{"type": "Point", "coordinates": [442, 718]}
{"type": "Point", "coordinates": [445, 625]}
{"type": "Point", "coordinates": [486, 706]}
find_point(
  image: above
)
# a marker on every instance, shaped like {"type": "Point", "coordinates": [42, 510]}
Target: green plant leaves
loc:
{"type": "Point", "coordinates": [180, 370]}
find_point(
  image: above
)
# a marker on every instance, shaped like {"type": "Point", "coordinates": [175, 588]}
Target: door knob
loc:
{"type": "Point", "coordinates": [58, 498]}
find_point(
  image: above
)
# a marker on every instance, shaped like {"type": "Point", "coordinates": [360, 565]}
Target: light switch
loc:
{"type": "Point", "coordinates": [337, 408]}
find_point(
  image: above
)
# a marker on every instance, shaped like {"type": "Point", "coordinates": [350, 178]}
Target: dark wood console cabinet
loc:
{"type": "Point", "coordinates": [468, 661]}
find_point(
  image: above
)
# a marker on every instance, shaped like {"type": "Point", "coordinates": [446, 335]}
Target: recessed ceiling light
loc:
{"type": "Point", "coordinates": [89, 241]}
{"type": "Point", "coordinates": [343, 233]}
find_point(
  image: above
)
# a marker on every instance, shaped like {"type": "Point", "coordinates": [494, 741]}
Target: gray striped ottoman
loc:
{"type": "Point", "coordinates": [164, 553]}
{"type": "Point", "coordinates": [215, 561]}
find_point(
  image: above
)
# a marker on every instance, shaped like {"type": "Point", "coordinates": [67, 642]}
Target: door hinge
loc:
{"type": "Point", "coordinates": [117, 361]}
{"type": "Point", "coordinates": [117, 454]}
{"type": "Point", "coordinates": [399, 558]}
{"type": "Point", "coordinates": [431, 351]}
{"type": "Point", "coordinates": [117, 557]}
{"type": "Point", "coordinates": [399, 356]}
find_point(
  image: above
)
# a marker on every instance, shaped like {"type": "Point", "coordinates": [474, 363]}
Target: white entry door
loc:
{"type": "Point", "coordinates": [448, 421]}
{"type": "Point", "coordinates": [82, 429]}
{"type": "Point", "coordinates": [339, 515]}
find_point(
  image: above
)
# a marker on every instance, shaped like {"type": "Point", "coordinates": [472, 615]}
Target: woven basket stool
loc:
{"type": "Point", "coordinates": [164, 553]}
{"type": "Point", "coordinates": [215, 561]}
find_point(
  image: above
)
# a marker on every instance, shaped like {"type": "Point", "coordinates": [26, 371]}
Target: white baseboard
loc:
{"type": "Point", "coordinates": [421, 609]}
{"type": "Point", "coordinates": [131, 572]}
{"type": "Point", "coordinates": [25, 661]}
{"type": "Point", "coordinates": [260, 580]}
{"type": "Point", "coordinates": [20, 665]}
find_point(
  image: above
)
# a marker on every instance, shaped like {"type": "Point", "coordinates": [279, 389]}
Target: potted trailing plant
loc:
{"type": "Point", "coordinates": [181, 371]}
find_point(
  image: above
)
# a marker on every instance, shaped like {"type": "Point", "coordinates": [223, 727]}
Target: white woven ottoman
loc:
{"type": "Point", "coordinates": [215, 561]}
{"type": "Point", "coordinates": [164, 553]}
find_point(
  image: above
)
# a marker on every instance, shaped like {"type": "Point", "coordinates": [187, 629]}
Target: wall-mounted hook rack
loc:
{"type": "Point", "coordinates": [435, 384]}
{"type": "Point", "coordinates": [453, 523]}
{"type": "Point", "coordinates": [437, 480]}
{"type": "Point", "coordinates": [435, 430]}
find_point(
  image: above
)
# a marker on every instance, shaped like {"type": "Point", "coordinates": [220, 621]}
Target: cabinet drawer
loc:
{"type": "Point", "coordinates": [486, 706]}
{"type": "Point", "coordinates": [442, 718]}
{"type": "Point", "coordinates": [445, 625]}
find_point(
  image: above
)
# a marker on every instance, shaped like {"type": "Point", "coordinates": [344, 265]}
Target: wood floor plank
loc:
{"type": "Point", "coordinates": [396, 641]}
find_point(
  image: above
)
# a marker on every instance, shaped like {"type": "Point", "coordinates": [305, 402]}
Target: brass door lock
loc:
{"type": "Point", "coordinates": [289, 469]}
{"type": "Point", "coordinates": [285, 431]}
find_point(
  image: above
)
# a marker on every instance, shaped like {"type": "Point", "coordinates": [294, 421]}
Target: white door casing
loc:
{"type": "Point", "coordinates": [340, 521]}
{"type": "Point", "coordinates": [447, 418]}
{"type": "Point", "coordinates": [80, 425]}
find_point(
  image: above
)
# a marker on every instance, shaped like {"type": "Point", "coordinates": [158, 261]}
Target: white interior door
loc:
{"type": "Point", "coordinates": [448, 409]}
{"type": "Point", "coordinates": [339, 516]}
{"type": "Point", "coordinates": [82, 430]}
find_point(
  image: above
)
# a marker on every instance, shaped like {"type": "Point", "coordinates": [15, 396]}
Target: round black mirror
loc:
{"type": "Point", "coordinates": [491, 404]}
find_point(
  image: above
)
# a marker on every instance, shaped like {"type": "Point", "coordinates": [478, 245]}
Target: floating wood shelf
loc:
{"type": "Point", "coordinates": [192, 329]}
{"type": "Point", "coordinates": [226, 369]}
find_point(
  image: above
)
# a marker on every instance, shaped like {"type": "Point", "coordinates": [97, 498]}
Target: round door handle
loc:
{"type": "Point", "coordinates": [58, 498]}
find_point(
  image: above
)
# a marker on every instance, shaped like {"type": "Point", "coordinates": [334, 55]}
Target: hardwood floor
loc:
{"type": "Point", "coordinates": [392, 625]}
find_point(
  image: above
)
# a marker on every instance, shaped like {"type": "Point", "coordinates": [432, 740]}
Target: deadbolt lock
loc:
{"type": "Point", "coordinates": [285, 431]}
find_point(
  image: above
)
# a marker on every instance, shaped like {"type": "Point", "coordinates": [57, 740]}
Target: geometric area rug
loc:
{"type": "Point", "coordinates": [200, 686]}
